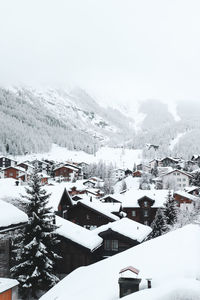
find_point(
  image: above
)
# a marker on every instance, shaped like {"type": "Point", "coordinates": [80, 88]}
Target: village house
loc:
{"type": "Point", "coordinates": [78, 246]}
{"type": "Point", "coordinates": [186, 201]}
{"type": "Point", "coordinates": [90, 214]}
{"type": "Point", "coordinates": [118, 174]}
{"type": "Point", "coordinates": [11, 220]}
{"type": "Point", "coordinates": [41, 166]}
{"type": "Point", "coordinates": [7, 162]}
{"type": "Point", "coordinates": [175, 179]}
{"type": "Point", "coordinates": [121, 235]}
{"type": "Point", "coordinates": [168, 162]}
{"type": "Point", "coordinates": [69, 172]}
{"type": "Point", "coordinates": [26, 166]}
{"type": "Point", "coordinates": [13, 172]}
{"type": "Point", "coordinates": [141, 205]}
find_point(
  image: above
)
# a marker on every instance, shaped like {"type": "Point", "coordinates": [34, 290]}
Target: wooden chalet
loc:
{"type": "Point", "coordinates": [121, 235]}
{"type": "Point", "coordinates": [186, 200]}
{"type": "Point", "coordinates": [78, 246]}
{"type": "Point", "coordinates": [13, 172]}
{"type": "Point", "coordinates": [141, 205]}
{"type": "Point", "coordinates": [143, 213]}
{"type": "Point", "coordinates": [68, 172]}
{"type": "Point", "coordinates": [89, 214]}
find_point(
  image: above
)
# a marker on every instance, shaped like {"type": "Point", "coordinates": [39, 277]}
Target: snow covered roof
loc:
{"type": "Point", "coordinates": [7, 283]}
{"type": "Point", "coordinates": [56, 192]}
{"type": "Point", "coordinates": [176, 170]}
{"type": "Point", "coordinates": [99, 207]}
{"type": "Point", "coordinates": [131, 197]}
{"type": "Point", "coordinates": [188, 196]}
{"type": "Point", "coordinates": [11, 215]}
{"type": "Point", "coordinates": [192, 188]}
{"type": "Point", "coordinates": [80, 235]}
{"type": "Point", "coordinates": [159, 259]}
{"type": "Point", "coordinates": [15, 167]}
{"type": "Point", "coordinates": [127, 227]}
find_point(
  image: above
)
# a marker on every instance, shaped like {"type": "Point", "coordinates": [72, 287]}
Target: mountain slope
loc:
{"type": "Point", "coordinates": [32, 119]}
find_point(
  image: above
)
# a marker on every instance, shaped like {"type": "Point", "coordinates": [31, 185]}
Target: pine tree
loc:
{"type": "Point", "coordinates": [35, 260]}
{"type": "Point", "coordinates": [170, 210]}
{"type": "Point", "coordinates": [159, 225]}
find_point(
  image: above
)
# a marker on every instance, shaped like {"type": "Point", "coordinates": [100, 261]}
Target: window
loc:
{"type": "Point", "coordinates": [184, 185]}
{"type": "Point", "coordinates": [111, 245]}
{"type": "Point", "coordinates": [146, 213]}
{"type": "Point", "coordinates": [11, 174]}
{"type": "Point", "coordinates": [179, 185]}
{"type": "Point", "coordinates": [184, 179]}
{"type": "Point", "coordinates": [178, 179]}
{"type": "Point", "coordinates": [178, 174]}
{"type": "Point", "coordinates": [133, 213]}
{"type": "Point", "coordinates": [146, 223]}
{"type": "Point", "coordinates": [87, 217]}
{"type": "Point", "coordinates": [145, 203]}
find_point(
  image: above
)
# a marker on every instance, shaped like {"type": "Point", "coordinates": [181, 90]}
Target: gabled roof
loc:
{"type": "Point", "coordinates": [16, 168]}
{"type": "Point", "coordinates": [176, 170]}
{"type": "Point", "coordinates": [128, 228]}
{"type": "Point", "coordinates": [7, 158]}
{"type": "Point", "coordinates": [98, 207]}
{"type": "Point", "coordinates": [187, 196]}
{"type": "Point", "coordinates": [78, 234]}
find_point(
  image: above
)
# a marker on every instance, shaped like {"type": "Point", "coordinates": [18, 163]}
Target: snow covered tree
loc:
{"type": "Point", "coordinates": [34, 267]}
{"type": "Point", "coordinates": [159, 224]}
{"type": "Point", "coordinates": [123, 186]}
{"type": "Point", "coordinates": [170, 210]}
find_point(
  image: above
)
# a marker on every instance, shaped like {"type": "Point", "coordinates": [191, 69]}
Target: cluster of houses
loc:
{"type": "Point", "coordinates": [92, 226]}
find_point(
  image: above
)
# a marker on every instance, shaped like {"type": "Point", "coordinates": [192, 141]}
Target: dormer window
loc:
{"type": "Point", "coordinates": [145, 203]}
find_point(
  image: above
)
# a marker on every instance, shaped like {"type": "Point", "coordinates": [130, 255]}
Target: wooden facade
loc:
{"type": "Point", "coordinates": [74, 256]}
{"type": "Point", "coordinates": [144, 214]}
{"type": "Point", "coordinates": [114, 243]}
{"type": "Point", "coordinates": [12, 172]}
{"type": "Point", "coordinates": [86, 216]}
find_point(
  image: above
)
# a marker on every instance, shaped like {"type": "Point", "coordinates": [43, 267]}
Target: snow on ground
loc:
{"type": "Point", "coordinates": [122, 158]}
{"type": "Point", "coordinates": [176, 140]}
{"type": "Point", "coordinates": [171, 257]}
{"type": "Point", "coordinates": [182, 289]}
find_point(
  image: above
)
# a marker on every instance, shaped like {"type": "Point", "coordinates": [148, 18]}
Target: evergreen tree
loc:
{"type": "Point", "coordinates": [35, 260]}
{"type": "Point", "coordinates": [123, 186]}
{"type": "Point", "coordinates": [159, 224]}
{"type": "Point", "coordinates": [170, 210]}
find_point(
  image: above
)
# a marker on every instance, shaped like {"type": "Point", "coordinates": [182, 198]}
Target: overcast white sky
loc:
{"type": "Point", "coordinates": [122, 50]}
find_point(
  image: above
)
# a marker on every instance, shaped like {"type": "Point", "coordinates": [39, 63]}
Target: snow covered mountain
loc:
{"type": "Point", "coordinates": [33, 119]}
